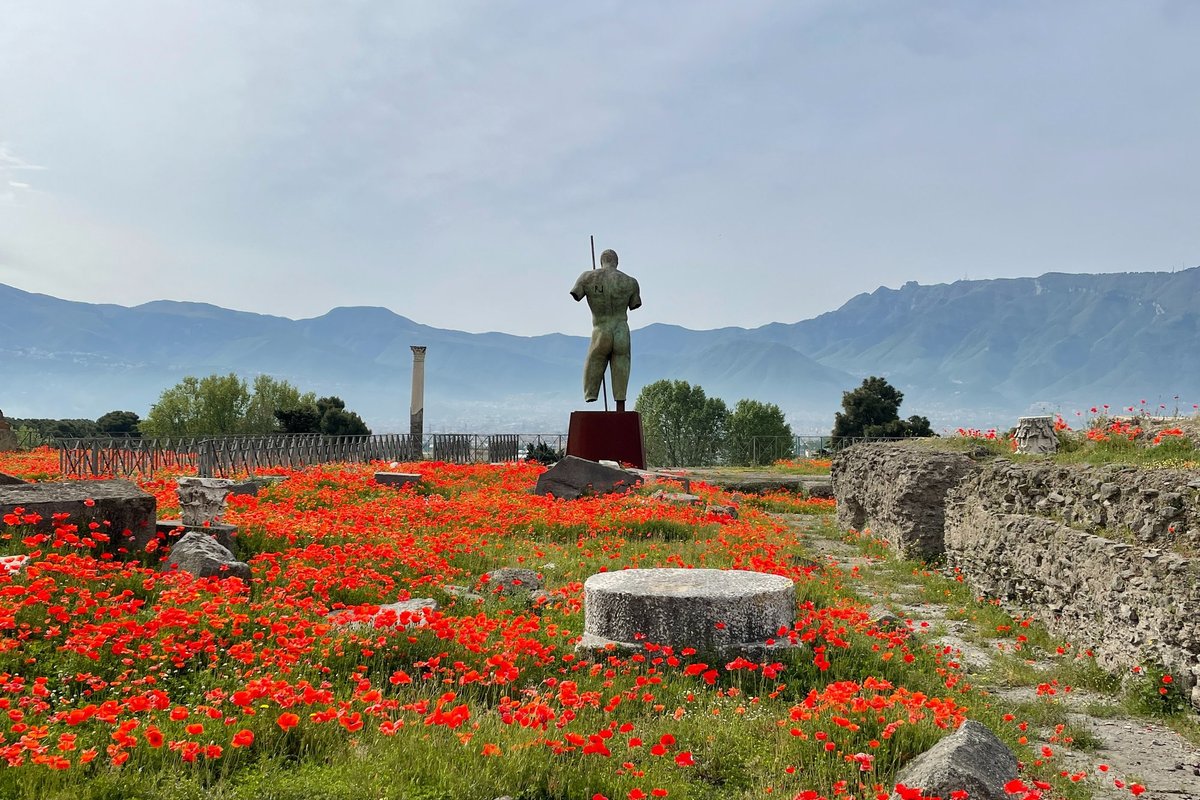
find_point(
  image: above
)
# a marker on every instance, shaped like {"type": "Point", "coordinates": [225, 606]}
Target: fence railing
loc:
{"type": "Point", "coordinates": [221, 456]}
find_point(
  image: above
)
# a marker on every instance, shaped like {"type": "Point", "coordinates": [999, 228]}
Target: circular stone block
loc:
{"type": "Point", "coordinates": [712, 610]}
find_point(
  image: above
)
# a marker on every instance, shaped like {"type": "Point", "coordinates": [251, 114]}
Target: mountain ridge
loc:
{"type": "Point", "coordinates": [967, 352]}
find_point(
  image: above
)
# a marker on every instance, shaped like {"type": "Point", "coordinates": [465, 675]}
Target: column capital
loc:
{"type": "Point", "coordinates": [418, 352]}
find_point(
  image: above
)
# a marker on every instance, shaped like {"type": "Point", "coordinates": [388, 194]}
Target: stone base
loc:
{"type": "Point", "coordinates": [597, 648]}
{"type": "Point", "coordinates": [607, 436]}
{"type": "Point", "coordinates": [397, 480]}
{"type": "Point", "coordinates": [175, 529]}
{"type": "Point", "coordinates": [712, 610]}
{"type": "Point", "coordinates": [118, 506]}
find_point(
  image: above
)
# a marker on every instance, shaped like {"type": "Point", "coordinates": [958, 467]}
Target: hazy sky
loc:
{"type": "Point", "coordinates": [750, 161]}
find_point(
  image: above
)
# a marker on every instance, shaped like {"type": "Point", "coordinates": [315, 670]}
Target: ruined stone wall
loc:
{"type": "Point", "coordinates": [1155, 507]}
{"type": "Point", "coordinates": [1104, 556]}
{"type": "Point", "coordinates": [898, 490]}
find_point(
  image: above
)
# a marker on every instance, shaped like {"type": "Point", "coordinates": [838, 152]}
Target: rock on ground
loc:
{"type": "Point", "coordinates": [971, 759]}
{"type": "Point", "coordinates": [575, 477]}
{"type": "Point", "coordinates": [204, 557]}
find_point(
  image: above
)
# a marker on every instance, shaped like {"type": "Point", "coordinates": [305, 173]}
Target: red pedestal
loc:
{"type": "Point", "coordinates": [607, 436]}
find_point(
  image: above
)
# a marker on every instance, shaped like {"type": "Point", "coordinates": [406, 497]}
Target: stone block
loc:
{"type": "Point", "coordinates": [972, 759]}
{"type": "Point", "coordinates": [204, 557]}
{"type": "Point", "coordinates": [727, 612]}
{"type": "Point", "coordinates": [510, 580]}
{"type": "Point", "coordinates": [8, 440]}
{"type": "Point", "coordinates": [401, 615]}
{"type": "Point", "coordinates": [572, 478]}
{"type": "Point", "coordinates": [10, 480]}
{"type": "Point", "coordinates": [124, 512]}
{"type": "Point", "coordinates": [397, 480]}
{"type": "Point", "coordinates": [898, 490]}
{"type": "Point", "coordinates": [678, 498]}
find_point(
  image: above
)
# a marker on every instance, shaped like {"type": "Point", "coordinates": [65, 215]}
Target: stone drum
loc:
{"type": "Point", "coordinates": [729, 612]}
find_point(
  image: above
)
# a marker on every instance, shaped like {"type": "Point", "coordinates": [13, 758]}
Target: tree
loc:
{"type": "Point", "coordinates": [758, 434]}
{"type": "Point", "coordinates": [119, 423]}
{"type": "Point", "coordinates": [200, 407]}
{"type": "Point", "coordinates": [271, 397]}
{"type": "Point", "coordinates": [305, 419]}
{"type": "Point", "coordinates": [682, 425]}
{"type": "Point", "coordinates": [872, 410]}
{"type": "Point", "coordinates": [222, 404]}
{"type": "Point", "coordinates": [337, 421]}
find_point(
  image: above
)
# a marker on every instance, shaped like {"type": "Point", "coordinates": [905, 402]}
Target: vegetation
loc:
{"type": "Point", "coordinates": [758, 434]}
{"type": "Point", "coordinates": [119, 423]}
{"type": "Point", "coordinates": [43, 431]}
{"type": "Point", "coordinates": [872, 411]}
{"type": "Point", "coordinates": [681, 424]}
{"type": "Point", "coordinates": [543, 453]}
{"type": "Point", "coordinates": [224, 404]}
{"type": "Point", "coordinates": [124, 681]}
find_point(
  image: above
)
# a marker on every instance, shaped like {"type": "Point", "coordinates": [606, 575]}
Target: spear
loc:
{"type": "Point", "coordinates": [603, 384]}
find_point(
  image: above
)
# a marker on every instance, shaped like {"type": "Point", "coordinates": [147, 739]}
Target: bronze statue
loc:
{"type": "Point", "coordinates": [610, 294]}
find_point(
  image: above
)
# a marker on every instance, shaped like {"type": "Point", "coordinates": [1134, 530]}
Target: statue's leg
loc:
{"type": "Point", "coordinates": [620, 364]}
{"type": "Point", "coordinates": [597, 360]}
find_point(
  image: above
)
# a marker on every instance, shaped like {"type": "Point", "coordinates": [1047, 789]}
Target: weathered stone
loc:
{"type": "Point", "coordinates": [10, 480]}
{"type": "Point", "coordinates": [8, 438]}
{"type": "Point", "coordinates": [401, 615]}
{"type": "Point", "coordinates": [821, 489]}
{"type": "Point", "coordinates": [173, 529]}
{"type": "Point", "coordinates": [712, 610]}
{"type": "Point", "coordinates": [898, 490]}
{"type": "Point", "coordinates": [462, 593]}
{"type": "Point", "coordinates": [124, 512]}
{"type": "Point", "coordinates": [1036, 436]}
{"type": "Point", "coordinates": [204, 557]}
{"type": "Point", "coordinates": [397, 480]}
{"type": "Point", "coordinates": [885, 620]}
{"type": "Point", "coordinates": [722, 511]}
{"type": "Point", "coordinates": [678, 498]}
{"type": "Point", "coordinates": [509, 580]}
{"type": "Point", "coordinates": [13, 565]}
{"type": "Point", "coordinates": [202, 500]}
{"type": "Point", "coordinates": [572, 478]}
{"type": "Point", "coordinates": [972, 759]}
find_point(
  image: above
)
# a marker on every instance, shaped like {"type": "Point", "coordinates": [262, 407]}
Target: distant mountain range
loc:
{"type": "Point", "coordinates": [970, 352]}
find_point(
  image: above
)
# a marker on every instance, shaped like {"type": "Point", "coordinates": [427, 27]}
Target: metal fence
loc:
{"type": "Point", "coordinates": [221, 456]}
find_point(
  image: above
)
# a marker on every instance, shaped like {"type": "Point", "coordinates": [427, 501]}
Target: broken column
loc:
{"type": "Point", "coordinates": [417, 409]}
{"type": "Point", "coordinates": [1036, 436]}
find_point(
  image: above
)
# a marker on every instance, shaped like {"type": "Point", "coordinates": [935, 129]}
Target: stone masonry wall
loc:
{"type": "Point", "coordinates": [1104, 556]}
{"type": "Point", "coordinates": [1158, 507]}
{"type": "Point", "coordinates": [1129, 604]}
{"type": "Point", "coordinates": [897, 490]}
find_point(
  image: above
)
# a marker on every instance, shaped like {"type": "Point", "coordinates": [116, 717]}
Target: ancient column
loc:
{"type": "Point", "coordinates": [1036, 435]}
{"type": "Point", "coordinates": [417, 410]}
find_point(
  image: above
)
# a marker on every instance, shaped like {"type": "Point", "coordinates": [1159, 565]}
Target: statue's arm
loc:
{"type": "Point", "coordinates": [635, 299]}
{"type": "Point", "coordinates": [579, 292]}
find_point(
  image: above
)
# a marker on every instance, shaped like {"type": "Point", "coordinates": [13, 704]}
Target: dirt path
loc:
{"type": "Point", "coordinates": [1112, 750]}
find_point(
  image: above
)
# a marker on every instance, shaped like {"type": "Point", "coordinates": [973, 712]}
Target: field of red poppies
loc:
{"type": "Point", "coordinates": [120, 680]}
